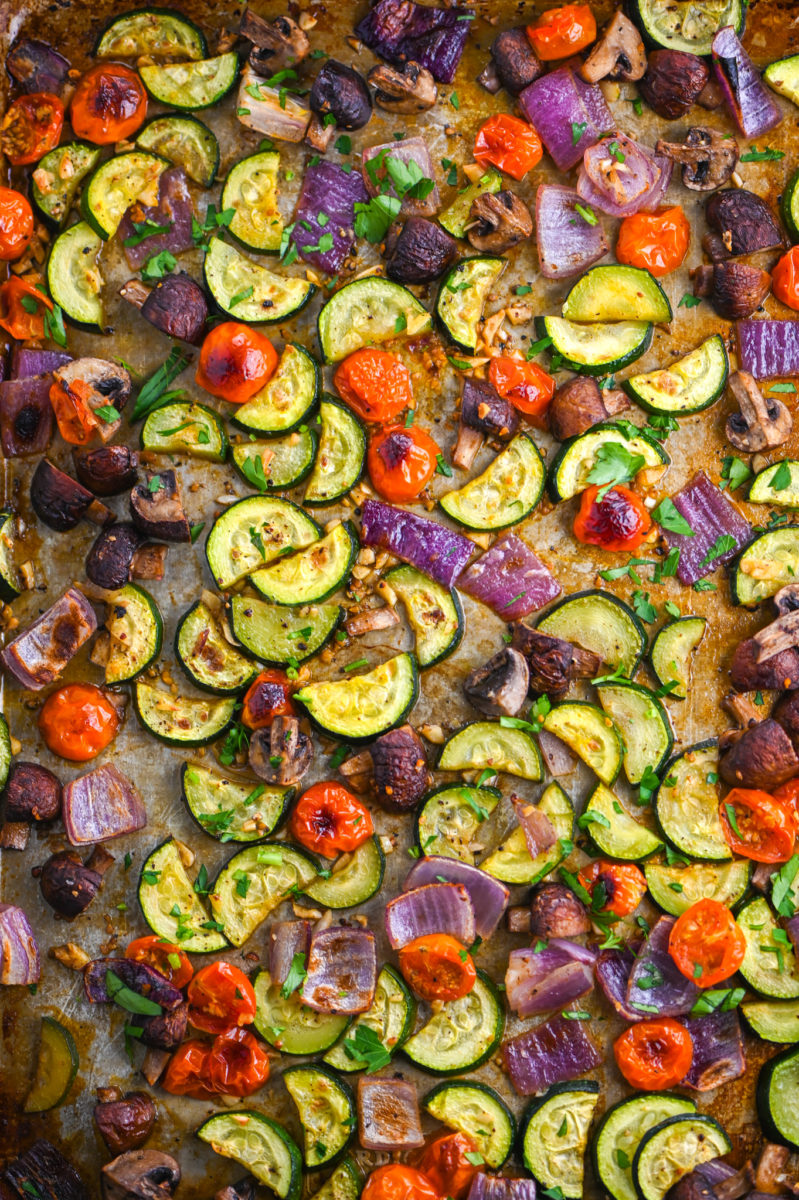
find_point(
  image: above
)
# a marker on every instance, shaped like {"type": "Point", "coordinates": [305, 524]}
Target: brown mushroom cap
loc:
{"type": "Point", "coordinates": [503, 221]}
{"type": "Point", "coordinates": [708, 160]}
{"type": "Point", "coordinates": [140, 1175]}
{"type": "Point", "coordinates": [409, 88]}
{"type": "Point", "coordinates": [619, 53]}
{"type": "Point", "coordinates": [761, 423]}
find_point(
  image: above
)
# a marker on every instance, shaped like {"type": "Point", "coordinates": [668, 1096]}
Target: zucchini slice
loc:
{"type": "Point", "coordinates": [233, 810]}
{"type": "Point", "coordinates": [455, 218]}
{"type": "Point", "coordinates": [463, 1034]}
{"type": "Point", "coordinates": [368, 312]}
{"type": "Point", "coordinates": [345, 1183]}
{"type": "Point", "coordinates": [326, 1108]}
{"type": "Point", "coordinates": [289, 1025]}
{"type": "Point", "coordinates": [688, 386]}
{"type": "Point", "coordinates": [785, 474]}
{"type": "Point", "coordinates": [171, 906]}
{"type": "Point", "coordinates": [672, 1149]}
{"type": "Point", "coordinates": [671, 653]}
{"type": "Point", "coordinates": [363, 706]}
{"type": "Point", "coordinates": [512, 862]}
{"type": "Point", "coordinates": [462, 297]}
{"type": "Point", "coordinates": [615, 832]}
{"type": "Point", "coordinates": [617, 293]}
{"type": "Point", "coordinates": [643, 724]}
{"type": "Point", "coordinates": [248, 291]}
{"type": "Point", "coordinates": [191, 85]}
{"type": "Point", "coordinates": [181, 720]}
{"type": "Point", "coordinates": [687, 26]}
{"type": "Point", "coordinates": [5, 751]}
{"type": "Point", "coordinates": [265, 1148]}
{"type": "Point", "coordinates": [777, 1089]}
{"type": "Point", "coordinates": [277, 634]}
{"type": "Point", "coordinates": [286, 400]}
{"type": "Point", "coordinates": [475, 1109]}
{"type": "Point", "coordinates": [594, 739]}
{"type": "Point", "coordinates": [253, 532]}
{"type": "Point", "coordinates": [251, 190]}
{"type": "Point", "coordinates": [57, 1065]}
{"type": "Point", "coordinates": [687, 803]}
{"type": "Point", "coordinates": [506, 492]}
{"type": "Point", "coordinates": [280, 463]}
{"type": "Point", "coordinates": [485, 744]}
{"type": "Point", "coordinates": [58, 176]}
{"type": "Point", "coordinates": [597, 349]}
{"type": "Point", "coordinates": [449, 818]}
{"type": "Point", "coordinates": [313, 573]}
{"type": "Point", "coordinates": [356, 881]}
{"type": "Point", "coordinates": [769, 964]}
{"type": "Point", "coordinates": [186, 142]}
{"type": "Point", "coordinates": [206, 655]}
{"type": "Point", "coordinates": [576, 458]}
{"type": "Point", "coordinates": [774, 1020]}
{"type": "Point", "coordinates": [155, 32]}
{"type": "Point", "coordinates": [390, 1017]}
{"type": "Point", "coordinates": [434, 613]}
{"type": "Point", "coordinates": [185, 428]}
{"type": "Point", "coordinates": [342, 451]}
{"type": "Point", "coordinates": [10, 582]}
{"type": "Point", "coordinates": [789, 81]}
{"type": "Point", "coordinates": [619, 1135]}
{"type": "Point", "coordinates": [675, 889]}
{"type": "Point", "coordinates": [73, 277]}
{"type": "Point", "coordinates": [768, 563]}
{"type": "Point", "coordinates": [555, 1136]}
{"type": "Point", "coordinates": [254, 882]}
{"type": "Point", "coordinates": [600, 622]}
{"type": "Point", "coordinates": [116, 184]}
{"type": "Point", "coordinates": [135, 631]}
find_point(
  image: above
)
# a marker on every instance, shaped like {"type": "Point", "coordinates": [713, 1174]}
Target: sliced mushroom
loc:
{"type": "Point", "coordinates": [341, 92]}
{"type": "Point", "coordinates": [619, 53]}
{"type": "Point", "coordinates": [579, 403]}
{"type": "Point", "coordinates": [761, 423]}
{"type": "Point", "coordinates": [107, 470]}
{"type": "Point", "coordinates": [140, 1175]}
{"type": "Point", "coordinates": [243, 1190]}
{"type": "Point", "coordinates": [276, 44]}
{"type": "Point", "coordinates": [409, 88]}
{"type": "Point", "coordinates": [708, 159]}
{"type": "Point", "coordinates": [772, 1168]}
{"type": "Point", "coordinates": [157, 508]}
{"type": "Point", "coordinates": [282, 753]}
{"type": "Point", "coordinates": [735, 289]}
{"type": "Point", "coordinates": [489, 79]}
{"type": "Point", "coordinates": [553, 662]}
{"type": "Point", "coordinates": [468, 445]}
{"type": "Point", "coordinates": [499, 687]}
{"type": "Point", "coordinates": [60, 501]}
{"type": "Point", "coordinates": [742, 224]}
{"type": "Point", "coordinates": [555, 911]}
{"type": "Point", "coordinates": [514, 59]}
{"type": "Point", "coordinates": [400, 775]}
{"type": "Point", "coordinates": [319, 135]}
{"type": "Point", "coordinates": [778, 673]}
{"type": "Point", "coordinates": [176, 305]}
{"type": "Point", "coordinates": [786, 600]}
{"type": "Point", "coordinates": [503, 220]}
{"type": "Point", "coordinates": [776, 638]}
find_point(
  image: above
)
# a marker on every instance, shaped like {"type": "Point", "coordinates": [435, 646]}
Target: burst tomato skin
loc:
{"type": "Point", "coordinates": [268, 696]}
{"type": "Point", "coordinates": [785, 278]}
{"type": "Point", "coordinates": [445, 1164]}
{"type": "Point", "coordinates": [624, 885]}
{"type": "Point", "coordinates": [401, 462]}
{"type": "Point", "coordinates": [73, 413]}
{"type": "Point", "coordinates": [653, 1055]}
{"type": "Point", "coordinates": [758, 825]}
{"type": "Point", "coordinates": [15, 318]}
{"type": "Point", "coordinates": [31, 128]}
{"type": "Point", "coordinates": [109, 104]}
{"type": "Point", "coordinates": [234, 1064]}
{"type": "Point", "coordinates": [220, 997]}
{"type": "Point", "coordinates": [329, 820]}
{"type": "Point", "coordinates": [528, 386]}
{"type": "Point", "coordinates": [787, 794]}
{"type": "Point", "coordinates": [508, 143]}
{"type": "Point", "coordinates": [618, 522]}
{"type": "Point", "coordinates": [77, 721]}
{"type": "Point", "coordinates": [235, 362]}
{"type": "Point", "coordinates": [157, 953]}
{"type": "Point", "coordinates": [561, 32]}
{"type": "Point", "coordinates": [438, 967]}
{"type": "Point", "coordinates": [656, 241]}
{"type": "Point", "coordinates": [16, 224]}
{"type": "Point", "coordinates": [706, 944]}
{"type": "Point", "coordinates": [398, 1182]}
{"type": "Point", "coordinates": [375, 384]}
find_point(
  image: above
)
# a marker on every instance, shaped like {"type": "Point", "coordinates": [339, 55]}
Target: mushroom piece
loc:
{"type": "Point", "coordinates": [394, 767]}
{"type": "Point", "coordinates": [176, 305]}
{"type": "Point", "coordinates": [420, 252]}
{"type": "Point", "coordinates": [243, 1190]}
{"type": "Point", "coordinates": [708, 160]}
{"type": "Point", "coordinates": [762, 757]}
{"type": "Point", "coordinates": [489, 79]}
{"type": "Point", "coordinates": [140, 1175]}
{"type": "Point", "coordinates": [108, 563]}
{"type": "Point", "coordinates": [61, 502]}
{"type": "Point", "coordinates": [282, 753]}
{"type": "Point", "coordinates": [484, 410]}
{"type": "Point", "coordinates": [14, 835]}
{"type": "Point", "coordinates": [742, 224]}
{"type": "Point", "coordinates": [68, 884]}
{"type": "Point", "coordinates": [775, 674]}
{"type": "Point", "coordinates": [619, 53]}
{"type": "Point", "coordinates": [499, 687]}
{"type": "Point", "coordinates": [125, 1122]}
{"type": "Point", "coordinates": [503, 220]}
{"type": "Point", "coordinates": [553, 662]}
{"type": "Point", "coordinates": [166, 1031]}
{"type": "Point", "coordinates": [761, 423]}
{"type": "Point", "coordinates": [319, 135]}
{"type": "Point", "coordinates": [409, 88]}
{"type": "Point", "coordinates": [107, 470]}
{"type": "Point", "coordinates": [555, 911]}
{"type": "Point", "coordinates": [580, 403]}
{"type": "Point", "coordinates": [734, 289]}
{"type": "Point", "coordinates": [771, 1171]}
{"type": "Point", "coordinates": [342, 92]}
{"type": "Point", "coordinates": [515, 62]}
{"type": "Point", "coordinates": [157, 509]}
{"type": "Point", "coordinates": [673, 82]}
{"type": "Point", "coordinates": [32, 793]}
{"type": "Point", "coordinates": [276, 44]}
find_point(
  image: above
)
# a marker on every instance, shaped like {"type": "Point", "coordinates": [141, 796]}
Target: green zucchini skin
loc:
{"type": "Point", "coordinates": [67, 281]}
{"type": "Point", "coordinates": [280, 1164]}
{"type": "Point", "coordinates": [365, 312]}
{"type": "Point", "coordinates": [621, 1128]}
{"type": "Point", "coordinates": [475, 1046]}
{"type": "Point", "coordinates": [497, 1133]}
{"type": "Point", "coordinates": [581, 617]}
{"type": "Point", "coordinates": [186, 141]}
{"type": "Point", "coordinates": [307, 1085]}
{"type": "Point", "coordinates": [652, 18]}
{"type": "Point", "coordinates": [536, 1149]}
{"type": "Point", "coordinates": [768, 545]}
{"type": "Point", "coordinates": [462, 296]}
{"type": "Point", "coordinates": [776, 1094]}
{"type": "Point", "coordinates": [149, 29]}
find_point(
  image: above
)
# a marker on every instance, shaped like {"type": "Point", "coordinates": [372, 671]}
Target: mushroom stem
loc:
{"type": "Point", "coordinates": [761, 424]}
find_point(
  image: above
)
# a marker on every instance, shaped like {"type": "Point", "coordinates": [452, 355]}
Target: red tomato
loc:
{"type": "Point", "coordinates": [654, 1054]}
{"type": "Point", "coordinates": [375, 384]}
{"type": "Point", "coordinates": [706, 944]}
{"type": "Point", "coordinates": [561, 32]}
{"type": "Point", "coordinates": [31, 127]}
{"type": "Point", "coordinates": [109, 104]}
{"type": "Point", "coordinates": [787, 794]}
{"type": "Point", "coordinates": [508, 143]}
{"type": "Point", "coordinates": [220, 997]}
{"type": "Point", "coordinates": [16, 224]}
{"type": "Point", "coordinates": [445, 1164]}
{"type": "Point", "coordinates": [73, 413]}
{"type": "Point", "coordinates": [401, 462]}
{"type": "Point", "coordinates": [22, 308]}
{"type": "Point", "coordinates": [329, 820]}
{"type": "Point", "coordinates": [618, 522]}
{"type": "Point", "coordinates": [186, 1074]}
{"type": "Point", "coordinates": [397, 1182]}
{"type": "Point", "coordinates": [170, 960]}
{"type": "Point", "coordinates": [268, 696]}
{"type": "Point", "coordinates": [232, 1065]}
{"type": "Point", "coordinates": [785, 278]}
{"type": "Point", "coordinates": [528, 386]}
{"type": "Point", "coordinates": [657, 241]}
{"type": "Point", "coordinates": [758, 825]}
{"type": "Point", "coordinates": [77, 721]}
{"type": "Point", "coordinates": [438, 967]}
{"type": "Point", "coordinates": [235, 362]}
{"type": "Point", "coordinates": [622, 885]}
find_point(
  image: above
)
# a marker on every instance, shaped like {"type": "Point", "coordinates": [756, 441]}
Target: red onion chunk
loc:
{"type": "Point", "coordinates": [388, 1115]}
{"type": "Point", "coordinates": [539, 832]}
{"type": "Point", "coordinates": [39, 655]}
{"type": "Point", "coordinates": [792, 929]}
{"type": "Point", "coordinates": [138, 976]}
{"type": "Point", "coordinates": [612, 969]}
{"type": "Point", "coordinates": [718, 1051]}
{"type": "Point", "coordinates": [768, 348]}
{"type": "Point", "coordinates": [36, 67]}
{"type": "Point", "coordinates": [409, 150]}
{"type": "Point", "coordinates": [489, 897]}
{"type": "Point", "coordinates": [342, 970]}
{"type": "Point", "coordinates": [100, 806]}
{"type": "Point", "coordinates": [174, 208]}
{"type": "Point", "coordinates": [556, 106]}
{"type": "Point", "coordinates": [401, 31]}
{"type": "Point", "coordinates": [432, 908]}
{"type": "Point", "coordinates": [554, 1052]}
{"type": "Point", "coordinates": [500, 1187]}
{"type": "Point", "coordinates": [711, 515]}
{"type": "Point", "coordinates": [557, 756]}
{"type": "Point", "coordinates": [432, 548]}
{"type": "Point", "coordinates": [26, 416]}
{"type": "Point", "coordinates": [656, 987]}
{"type": "Point", "coordinates": [19, 953]}
{"type": "Point", "coordinates": [567, 243]}
{"type": "Point", "coordinates": [287, 938]}
{"type": "Point", "coordinates": [748, 99]}
{"type": "Point", "coordinates": [544, 980]}
{"type": "Point", "coordinates": [25, 362]}
{"type": "Point", "coordinates": [327, 189]}
{"type": "Point", "coordinates": [510, 579]}
{"type": "Point", "coordinates": [620, 188]}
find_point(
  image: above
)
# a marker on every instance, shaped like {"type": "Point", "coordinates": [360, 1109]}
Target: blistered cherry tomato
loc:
{"type": "Point", "coordinates": [401, 462]}
{"type": "Point", "coordinates": [22, 308]}
{"type": "Point", "coordinates": [508, 143]}
{"type": "Point", "coordinates": [220, 997]}
{"type": "Point", "coordinates": [446, 1165]}
{"type": "Point", "coordinates": [77, 721]}
{"type": "Point", "coordinates": [706, 943]}
{"type": "Point", "coordinates": [397, 1182]}
{"type": "Point", "coordinates": [74, 414]}
{"type": "Point", "coordinates": [619, 521]}
{"type": "Point", "coordinates": [186, 1073]}
{"type": "Point", "coordinates": [329, 820]}
{"type": "Point", "coordinates": [758, 825]}
{"type": "Point", "coordinates": [653, 1055]}
{"type": "Point", "coordinates": [657, 241]}
{"type": "Point", "coordinates": [268, 696]}
{"type": "Point", "coordinates": [16, 224]}
{"type": "Point", "coordinates": [235, 362]}
{"type": "Point", "coordinates": [375, 383]}
{"type": "Point", "coordinates": [438, 967]}
{"type": "Point", "coordinates": [528, 386]}
{"type": "Point", "coordinates": [785, 278]}
{"type": "Point", "coordinates": [234, 1064]}
{"type": "Point", "coordinates": [170, 960]}
{"type": "Point", "coordinates": [109, 104]}
{"type": "Point", "coordinates": [620, 886]}
{"type": "Point", "coordinates": [561, 32]}
{"type": "Point", "coordinates": [31, 127]}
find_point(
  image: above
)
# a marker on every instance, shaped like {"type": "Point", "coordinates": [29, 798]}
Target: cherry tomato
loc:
{"type": "Point", "coordinates": [235, 362]}
{"type": "Point", "coordinates": [438, 967]}
{"type": "Point", "coordinates": [654, 1054]}
{"type": "Point", "coordinates": [31, 127]}
{"type": "Point", "coordinates": [186, 1073]}
{"type": "Point", "coordinates": [329, 820]}
{"type": "Point", "coordinates": [73, 413]}
{"type": "Point", "coordinates": [622, 885]}
{"type": "Point", "coordinates": [445, 1164]}
{"type": "Point", "coordinates": [706, 944]}
{"type": "Point", "coordinates": [787, 794]}
{"type": "Point", "coordinates": [657, 241]}
{"type": "Point", "coordinates": [109, 104]}
{"type": "Point", "coordinates": [170, 960]}
{"type": "Point", "coordinates": [397, 1182]}
{"type": "Point", "coordinates": [22, 308]}
{"type": "Point", "coordinates": [508, 143]}
{"type": "Point", "coordinates": [758, 825]}
{"type": "Point", "coordinates": [401, 462]}
{"type": "Point", "coordinates": [785, 278]}
{"type": "Point", "coordinates": [375, 384]}
{"type": "Point", "coordinates": [16, 224]}
{"type": "Point", "coordinates": [561, 32]}
{"type": "Point", "coordinates": [268, 696]}
{"type": "Point", "coordinates": [618, 521]}
{"type": "Point", "coordinates": [77, 721]}
{"type": "Point", "coordinates": [232, 1065]}
{"type": "Point", "coordinates": [528, 386]}
{"type": "Point", "coordinates": [220, 997]}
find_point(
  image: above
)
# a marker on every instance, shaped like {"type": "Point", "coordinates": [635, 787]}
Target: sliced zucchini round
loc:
{"type": "Point", "coordinates": [58, 176]}
{"type": "Point", "coordinates": [774, 1020]}
{"type": "Point", "coordinates": [251, 190]}
{"type": "Point", "coordinates": [342, 450]}
{"type": "Point", "coordinates": [191, 85]}
{"type": "Point", "coordinates": [73, 277]}
{"type": "Point", "coordinates": [326, 1108]}
{"type": "Point", "coordinates": [643, 724]}
{"type": "Point", "coordinates": [768, 563]}
{"type": "Point", "coordinates": [312, 574]}
{"type": "Point", "coordinates": [687, 803]}
{"type": "Point", "coordinates": [118, 183]}
{"type": "Point", "coordinates": [617, 293]}
{"type": "Point", "coordinates": [206, 655]}
{"type": "Point", "coordinates": [672, 1149]}
{"type": "Point", "coordinates": [769, 964]}
{"type": "Point", "coordinates": [462, 297]}
{"type": "Point", "coordinates": [671, 653]}
{"type": "Point", "coordinates": [356, 881]}
{"type": "Point", "coordinates": [619, 1135]}
{"type": "Point", "coordinates": [277, 634]}
{"type": "Point", "coordinates": [434, 613]}
{"type": "Point", "coordinates": [181, 720]}
{"type": "Point", "coordinates": [363, 706]}
{"type": "Point", "coordinates": [475, 1109]}
{"type": "Point", "coordinates": [456, 217]}
{"type": "Point", "coordinates": [6, 753]}
{"type": "Point", "coordinates": [597, 349]}
{"type": "Point", "coordinates": [390, 1017]}
{"type": "Point", "coordinates": [449, 817]}
{"type": "Point", "coordinates": [186, 142]}
{"type": "Point", "coordinates": [572, 465]}
{"type": "Point", "coordinates": [555, 1135]}
{"type": "Point", "coordinates": [185, 428]}
{"type": "Point", "coordinates": [599, 622]}
{"type": "Point", "coordinates": [10, 583]}
{"type": "Point", "coordinates": [248, 291]}
{"type": "Point", "coordinates": [777, 484]}
{"type": "Point", "coordinates": [615, 832]}
{"type": "Point", "coordinates": [233, 810]}
{"type": "Point", "coordinates": [286, 400]}
{"type": "Point", "coordinates": [368, 312]}
{"type": "Point", "coordinates": [280, 463]}
{"type": "Point", "coordinates": [675, 889]}
{"type": "Point", "coordinates": [585, 728]}
{"type": "Point", "coordinates": [688, 386]}
{"type": "Point", "coordinates": [135, 631]}
{"type": "Point", "coordinates": [57, 1063]}
{"type": "Point", "coordinates": [777, 1089]}
{"type": "Point", "coordinates": [254, 882]}
{"type": "Point", "coordinates": [171, 906]}
{"type": "Point", "coordinates": [463, 1034]}
{"type": "Point", "coordinates": [345, 1183]}
{"type": "Point", "coordinates": [512, 862]}
{"type": "Point", "coordinates": [253, 532]}
{"type": "Point", "coordinates": [506, 492]}
{"type": "Point", "coordinates": [487, 744]}
{"type": "Point", "coordinates": [686, 26]}
{"type": "Point", "coordinates": [289, 1025]}
{"type": "Point", "coordinates": [261, 1145]}
{"type": "Point", "coordinates": [783, 76]}
{"type": "Point", "coordinates": [155, 32]}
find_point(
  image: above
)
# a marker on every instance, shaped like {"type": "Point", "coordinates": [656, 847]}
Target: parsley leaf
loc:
{"type": "Point", "coordinates": [365, 1047]}
{"type": "Point", "coordinates": [296, 976]}
{"type": "Point", "coordinates": [614, 464]}
{"type": "Point", "coordinates": [669, 517]}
